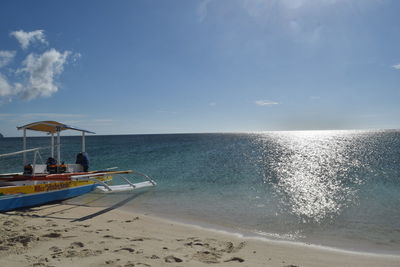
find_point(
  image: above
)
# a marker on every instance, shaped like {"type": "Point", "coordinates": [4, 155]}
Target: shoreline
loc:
{"type": "Point", "coordinates": [259, 237]}
{"type": "Point", "coordinates": [61, 235]}
{"type": "Point", "coordinates": [263, 237]}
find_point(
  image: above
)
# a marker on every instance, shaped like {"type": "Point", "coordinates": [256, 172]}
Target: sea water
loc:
{"type": "Point", "coordinates": [331, 188]}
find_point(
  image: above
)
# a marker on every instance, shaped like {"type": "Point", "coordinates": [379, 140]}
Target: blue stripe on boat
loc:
{"type": "Point", "coordinates": [36, 199]}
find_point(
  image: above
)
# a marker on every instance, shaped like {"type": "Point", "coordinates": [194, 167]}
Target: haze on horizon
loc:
{"type": "Point", "coordinates": [133, 67]}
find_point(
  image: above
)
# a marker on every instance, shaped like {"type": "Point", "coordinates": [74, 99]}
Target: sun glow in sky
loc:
{"type": "Point", "coordinates": [150, 66]}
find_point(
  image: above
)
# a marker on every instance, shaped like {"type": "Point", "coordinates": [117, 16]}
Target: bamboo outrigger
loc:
{"type": "Point", "coordinates": [55, 181]}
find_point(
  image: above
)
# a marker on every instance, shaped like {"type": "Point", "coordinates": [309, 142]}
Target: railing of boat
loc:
{"type": "Point", "coordinates": [22, 151]}
{"type": "Point", "coordinates": [36, 154]}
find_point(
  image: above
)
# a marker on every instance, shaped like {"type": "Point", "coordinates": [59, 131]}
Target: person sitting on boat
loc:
{"type": "Point", "coordinates": [83, 159]}
{"type": "Point", "coordinates": [51, 165]}
{"type": "Point", "coordinates": [51, 161]}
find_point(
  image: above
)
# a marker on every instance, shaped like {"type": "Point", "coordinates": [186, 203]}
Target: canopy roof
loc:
{"type": "Point", "coordinates": [50, 127]}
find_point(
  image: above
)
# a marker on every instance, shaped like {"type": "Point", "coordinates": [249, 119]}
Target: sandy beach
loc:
{"type": "Point", "coordinates": [73, 235]}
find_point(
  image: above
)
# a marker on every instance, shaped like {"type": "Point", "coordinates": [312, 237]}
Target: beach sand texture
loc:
{"type": "Point", "coordinates": [73, 235]}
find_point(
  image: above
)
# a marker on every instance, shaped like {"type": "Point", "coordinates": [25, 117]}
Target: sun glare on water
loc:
{"type": "Point", "coordinates": [310, 173]}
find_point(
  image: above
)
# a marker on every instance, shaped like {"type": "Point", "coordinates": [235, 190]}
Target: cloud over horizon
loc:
{"type": "Point", "coordinates": [36, 74]}
{"type": "Point", "coordinates": [397, 66]}
{"type": "Point", "coordinates": [265, 103]}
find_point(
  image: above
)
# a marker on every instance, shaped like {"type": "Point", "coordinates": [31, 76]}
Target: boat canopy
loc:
{"type": "Point", "coordinates": [50, 127]}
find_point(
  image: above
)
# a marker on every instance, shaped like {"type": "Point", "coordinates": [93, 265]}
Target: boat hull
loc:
{"type": "Point", "coordinates": [18, 201]}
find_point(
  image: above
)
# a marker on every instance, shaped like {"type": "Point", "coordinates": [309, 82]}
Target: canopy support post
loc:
{"type": "Point", "coordinates": [24, 146]}
{"type": "Point", "coordinates": [52, 145]}
{"type": "Point", "coordinates": [58, 146]}
{"type": "Point", "coordinates": [83, 142]}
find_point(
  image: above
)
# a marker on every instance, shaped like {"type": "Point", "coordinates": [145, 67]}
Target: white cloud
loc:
{"type": "Point", "coordinates": [42, 70]}
{"type": "Point", "coordinates": [37, 73]}
{"type": "Point", "coordinates": [6, 57]}
{"type": "Point", "coordinates": [397, 66]}
{"type": "Point", "coordinates": [5, 88]}
{"type": "Point", "coordinates": [26, 38]}
{"type": "Point", "coordinates": [265, 103]}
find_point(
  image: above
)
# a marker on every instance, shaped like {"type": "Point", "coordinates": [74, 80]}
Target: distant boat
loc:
{"type": "Point", "coordinates": [55, 181]}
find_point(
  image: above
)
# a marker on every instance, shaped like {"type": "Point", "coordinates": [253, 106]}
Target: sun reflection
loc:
{"type": "Point", "coordinates": [308, 171]}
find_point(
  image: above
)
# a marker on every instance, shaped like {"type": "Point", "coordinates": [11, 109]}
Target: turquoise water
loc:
{"type": "Point", "coordinates": [331, 188]}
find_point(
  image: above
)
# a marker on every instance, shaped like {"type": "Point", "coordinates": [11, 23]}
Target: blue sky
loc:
{"type": "Point", "coordinates": [143, 66]}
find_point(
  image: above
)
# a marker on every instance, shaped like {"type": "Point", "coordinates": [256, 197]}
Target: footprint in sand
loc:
{"type": "Point", "coordinates": [134, 219]}
{"type": "Point", "coordinates": [71, 253]}
{"type": "Point", "coordinates": [154, 257]}
{"type": "Point", "coordinates": [55, 249]}
{"type": "Point", "coordinates": [10, 223]}
{"type": "Point", "coordinates": [77, 245]}
{"type": "Point", "coordinates": [230, 248]}
{"type": "Point", "coordinates": [52, 235]}
{"type": "Point", "coordinates": [126, 249]}
{"type": "Point", "coordinates": [191, 244]}
{"type": "Point", "coordinates": [235, 259]}
{"type": "Point", "coordinates": [4, 248]}
{"type": "Point", "coordinates": [112, 237]}
{"type": "Point", "coordinates": [136, 239]}
{"type": "Point", "coordinates": [172, 259]}
{"type": "Point", "coordinates": [23, 239]}
{"type": "Point", "coordinates": [207, 256]}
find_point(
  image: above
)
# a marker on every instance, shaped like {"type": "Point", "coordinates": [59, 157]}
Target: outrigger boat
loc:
{"type": "Point", "coordinates": [55, 181]}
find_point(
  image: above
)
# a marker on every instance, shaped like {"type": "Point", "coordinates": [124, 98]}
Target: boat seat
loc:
{"type": "Point", "coordinates": [74, 168]}
{"type": "Point", "coordinates": [40, 168]}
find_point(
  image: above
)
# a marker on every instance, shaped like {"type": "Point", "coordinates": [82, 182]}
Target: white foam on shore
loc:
{"type": "Point", "coordinates": [254, 236]}
{"type": "Point", "coordinates": [272, 238]}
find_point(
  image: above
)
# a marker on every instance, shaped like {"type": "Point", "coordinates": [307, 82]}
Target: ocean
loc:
{"type": "Point", "coordinates": [338, 189]}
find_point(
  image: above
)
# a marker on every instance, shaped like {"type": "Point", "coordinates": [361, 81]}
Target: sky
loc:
{"type": "Point", "coordinates": [185, 66]}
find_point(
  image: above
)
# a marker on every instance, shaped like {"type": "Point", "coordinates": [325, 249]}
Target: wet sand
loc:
{"type": "Point", "coordinates": [74, 235]}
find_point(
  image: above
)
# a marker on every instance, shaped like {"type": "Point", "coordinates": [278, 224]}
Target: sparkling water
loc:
{"type": "Point", "coordinates": [331, 188]}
